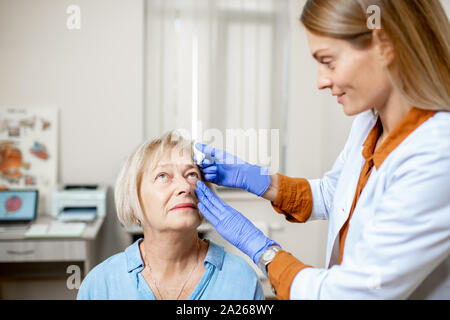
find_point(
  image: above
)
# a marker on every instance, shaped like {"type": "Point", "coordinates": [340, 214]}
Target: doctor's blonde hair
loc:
{"type": "Point", "coordinates": [145, 156]}
{"type": "Point", "coordinates": [419, 31]}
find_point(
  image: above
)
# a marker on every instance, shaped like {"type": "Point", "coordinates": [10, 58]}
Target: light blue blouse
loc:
{"type": "Point", "coordinates": [227, 277]}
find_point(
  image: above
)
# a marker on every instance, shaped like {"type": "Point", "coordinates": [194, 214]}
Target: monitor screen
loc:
{"type": "Point", "coordinates": [18, 205]}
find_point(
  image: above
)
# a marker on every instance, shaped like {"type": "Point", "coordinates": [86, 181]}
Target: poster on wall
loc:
{"type": "Point", "coordinates": [28, 151]}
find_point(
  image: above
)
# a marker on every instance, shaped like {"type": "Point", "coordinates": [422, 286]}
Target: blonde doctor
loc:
{"type": "Point", "coordinates": [387, 196]}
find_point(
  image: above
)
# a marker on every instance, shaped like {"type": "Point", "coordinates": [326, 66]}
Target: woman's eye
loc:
{"type": "Point", "coordinates": [161, 176]}
{"type": "Point", "coordinates": [193, 175]}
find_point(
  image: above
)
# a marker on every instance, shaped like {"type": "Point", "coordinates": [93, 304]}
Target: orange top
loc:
{"type": "Point", "coordinates": [294, 198]}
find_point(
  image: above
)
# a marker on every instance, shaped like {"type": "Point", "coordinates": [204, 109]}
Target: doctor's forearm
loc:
{"type": "Point", "coordinates": [272, 191]}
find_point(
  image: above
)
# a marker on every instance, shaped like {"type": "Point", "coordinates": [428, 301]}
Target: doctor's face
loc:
{"type": "Point", "coordinates": [357, 77]}
{"type": "Point", "coordinates": [167, 193]}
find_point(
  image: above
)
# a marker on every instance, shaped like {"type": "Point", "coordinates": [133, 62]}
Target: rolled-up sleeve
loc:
{"type": "Point", "coordinates": [294, 199]}
{"type": "Point", "coordinates": [282, 271]}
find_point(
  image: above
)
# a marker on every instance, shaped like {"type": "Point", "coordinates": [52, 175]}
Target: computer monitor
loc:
{"type": "Point", "coordinates": [19, 206]}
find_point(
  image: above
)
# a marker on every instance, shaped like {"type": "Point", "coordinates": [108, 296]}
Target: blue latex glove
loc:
{"type": "Point", "coordinates": [232, 225]}
{"type": "Point", "coordinates": [224, 169]}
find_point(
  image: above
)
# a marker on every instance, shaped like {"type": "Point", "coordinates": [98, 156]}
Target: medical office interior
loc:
{"type": "Point", "coordinates": [84, 82]}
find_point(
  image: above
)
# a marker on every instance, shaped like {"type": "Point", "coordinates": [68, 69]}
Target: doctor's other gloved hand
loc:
{"type": "Point", "coordinates": [232, 225]}
{"type": "Point", "coordinates": [224, 169]}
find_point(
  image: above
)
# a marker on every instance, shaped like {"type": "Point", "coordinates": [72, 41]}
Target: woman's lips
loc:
{"type": "Point", "coordinates": [184, 206]}
{"type": "Point", "coordinates": [341, 97]}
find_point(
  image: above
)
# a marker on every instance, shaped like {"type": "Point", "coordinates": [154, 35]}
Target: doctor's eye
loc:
{"type": "Point", "coordinates": [328, 63]}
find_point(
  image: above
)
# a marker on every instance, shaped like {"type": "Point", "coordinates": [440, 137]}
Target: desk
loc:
{"type": "Point", "coordinates": [16, 248]}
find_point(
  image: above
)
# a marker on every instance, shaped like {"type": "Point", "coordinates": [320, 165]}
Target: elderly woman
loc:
{"type": "Point", "coordinates": [156, 189]}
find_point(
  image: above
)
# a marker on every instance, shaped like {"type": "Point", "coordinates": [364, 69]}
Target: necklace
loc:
{"type": "Point", "coordinates": [160, 296]}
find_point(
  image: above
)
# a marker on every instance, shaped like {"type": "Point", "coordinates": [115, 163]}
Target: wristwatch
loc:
{"type": "Point", "coordinates": [267, 257]}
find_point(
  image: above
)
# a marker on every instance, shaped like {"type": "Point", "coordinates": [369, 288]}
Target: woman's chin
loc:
{"type": "Point", "coordinates": [187, 220]}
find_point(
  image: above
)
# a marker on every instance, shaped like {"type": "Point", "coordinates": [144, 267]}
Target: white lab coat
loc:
{"type": "Point", "coordinates": [398, 242]}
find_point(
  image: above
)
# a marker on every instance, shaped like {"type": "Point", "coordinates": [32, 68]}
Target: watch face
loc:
{"type": "Point", "coordinates": [269, 255]}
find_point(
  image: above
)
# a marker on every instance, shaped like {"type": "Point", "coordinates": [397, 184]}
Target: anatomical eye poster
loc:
{"type": "Point", "coordinates": [28, 150]}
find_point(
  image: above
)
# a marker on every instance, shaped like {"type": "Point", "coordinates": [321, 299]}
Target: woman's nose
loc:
{"type": "Point", "coordinates": [183, 186]}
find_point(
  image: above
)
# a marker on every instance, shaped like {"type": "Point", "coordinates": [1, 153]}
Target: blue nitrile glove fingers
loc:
{"type": "Point", "coordinates": [204, 163]}
{"type": "Point", "coordinates": [209, 170]}
{"type": "Point", "coordinates": [224, 169]}
{"type": "Point", "coordinates": [231, 224]}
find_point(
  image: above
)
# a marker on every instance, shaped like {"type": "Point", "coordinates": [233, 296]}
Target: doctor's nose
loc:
{"type": "Point", "coordinates": [324, 82]}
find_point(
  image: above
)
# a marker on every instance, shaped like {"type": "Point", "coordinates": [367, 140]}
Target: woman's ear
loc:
{"type": "Point", "coordinates": [384, 47]}
{"type": "Point", "coordinates": [137, 221]}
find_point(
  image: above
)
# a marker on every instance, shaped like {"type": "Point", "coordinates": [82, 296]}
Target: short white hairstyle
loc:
{"type": "Point", "coordinates": [146, 155]}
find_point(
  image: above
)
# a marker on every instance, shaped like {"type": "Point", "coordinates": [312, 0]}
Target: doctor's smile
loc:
{"type": "Point", "coordinates": [340, 97]}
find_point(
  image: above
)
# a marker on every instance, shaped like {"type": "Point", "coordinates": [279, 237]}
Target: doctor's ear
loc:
{"type": "Point", "coordinates": [384, 47]}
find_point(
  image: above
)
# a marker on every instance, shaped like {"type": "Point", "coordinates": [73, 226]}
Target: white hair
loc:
{"type": "Point", "coordinates": [146, 155]}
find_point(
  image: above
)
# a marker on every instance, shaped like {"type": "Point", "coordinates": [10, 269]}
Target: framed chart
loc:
{"type": "Point", "coordinates": [29, 150]}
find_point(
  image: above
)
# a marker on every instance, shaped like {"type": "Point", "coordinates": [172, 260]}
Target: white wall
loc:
{"type": "Point", "coordinates": [446, 5]}
{"type": "Point", "coordinates": [93, 75]}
